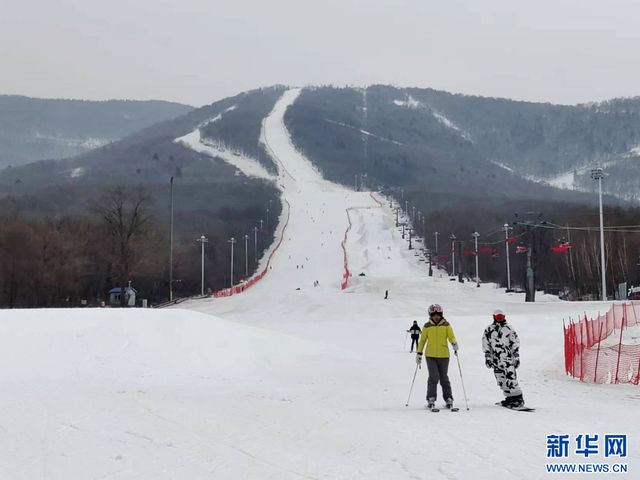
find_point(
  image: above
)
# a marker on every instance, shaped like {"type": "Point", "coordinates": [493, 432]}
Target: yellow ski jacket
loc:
{"type": "Point", "coordinates": [435, 336]}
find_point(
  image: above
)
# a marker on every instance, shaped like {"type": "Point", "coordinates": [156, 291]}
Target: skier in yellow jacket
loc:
{"type": "Point", "coordinates": [435, 334]}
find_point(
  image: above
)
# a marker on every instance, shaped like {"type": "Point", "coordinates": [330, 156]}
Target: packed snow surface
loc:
{"type": "Point", "coordinates": [244, 163]}
{"type": "Point", "coordinates": [291, 381]}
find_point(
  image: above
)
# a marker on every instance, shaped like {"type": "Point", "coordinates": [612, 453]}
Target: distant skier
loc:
{"type": "Point", "coordinates": [386, 294]}
{"type": "Point", "coordinates": [501, 348]}
{"type": "Point", "coordinates": [415, 331]}
{"type": "Point", "coordinates": [435, 334]}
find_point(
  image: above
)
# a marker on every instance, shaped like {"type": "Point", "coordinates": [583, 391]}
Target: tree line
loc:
{"type": "Point", "coordinates": [541, 226]}
{"type": "Point", "coordinates": [75, 259]}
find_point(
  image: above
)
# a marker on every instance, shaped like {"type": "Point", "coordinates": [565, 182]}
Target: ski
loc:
{"type": "Point", "coordinates": [433, 409]}
{"type": "Point", "coordinates": [454, 409]}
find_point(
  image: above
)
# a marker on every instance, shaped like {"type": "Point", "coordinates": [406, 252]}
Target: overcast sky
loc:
{"type": "Point", "coordinates": [198, 51]}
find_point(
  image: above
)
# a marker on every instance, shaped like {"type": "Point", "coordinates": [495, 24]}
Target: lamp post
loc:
{"type": "Point", "coordinates": [232, 241]}
{"type": "Point", "coordinates": [171, 239]}
{"type": "Point", "coordinates": [202, 240]}
{"type": "Point", "coordinates": [453, 253]}
{"type": "Point", "coordinates": [597, 174]}
{"type": "Point", "coordinates": [246, 256]}
{"type": "Point", "coordinates": [475, 237]}
{"type": "Point", "coordinates": [436, 234]}
{"type": "Point", "coordinates": [506, 228]}
{"type": "Point", "coordinates": [397, 214]}
{"type": "Point", "coordinates": [410, 231]}
{"type": "Point", "coordinates": [255, 245]}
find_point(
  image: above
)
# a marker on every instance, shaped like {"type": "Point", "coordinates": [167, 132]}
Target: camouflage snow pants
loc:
{"type": "Point", "coordinates": [507, 379]}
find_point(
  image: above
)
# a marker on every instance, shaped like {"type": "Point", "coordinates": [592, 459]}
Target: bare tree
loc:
{"type": "Point", "coordinates": [126, 220]}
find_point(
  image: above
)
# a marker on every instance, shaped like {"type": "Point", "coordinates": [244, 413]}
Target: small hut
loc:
{"type": "Point", "coordinates": [115, 296]}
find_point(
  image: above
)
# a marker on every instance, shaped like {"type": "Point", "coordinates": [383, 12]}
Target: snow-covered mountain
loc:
{"type": "Point", "coordinates": [449, 135]}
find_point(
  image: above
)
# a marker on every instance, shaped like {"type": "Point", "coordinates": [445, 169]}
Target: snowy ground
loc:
{"type": "Point", "coordinates": [288, 380]}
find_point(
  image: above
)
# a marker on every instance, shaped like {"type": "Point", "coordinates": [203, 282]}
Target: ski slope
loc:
{"type": "Point", "coordinates": [288, 380]}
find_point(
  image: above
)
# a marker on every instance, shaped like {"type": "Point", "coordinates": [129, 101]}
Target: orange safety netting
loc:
{"type": "Point", "coordinates": [595, 349]}
{"type": "Point", "coordinates": [227, 292]}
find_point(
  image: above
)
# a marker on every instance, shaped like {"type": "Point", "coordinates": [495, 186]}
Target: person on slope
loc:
{"type": "Point", "coordinates": [435, 334]}
{"type": "Point", "coordinates": [415, 331]}
{"type": "Point", "coordinates": [501, 348]}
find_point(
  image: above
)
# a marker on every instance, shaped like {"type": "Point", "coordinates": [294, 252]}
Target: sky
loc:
{"type": "Point", "coordinates": [198, 51]}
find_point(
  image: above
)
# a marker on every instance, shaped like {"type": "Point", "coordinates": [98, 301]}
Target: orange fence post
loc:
{"type": "Point", "coordinates": [595, 374]}
{"type": "Point", "coordinates": [566, 348]}
{"type": "Point", "coordinates": [620, 345]}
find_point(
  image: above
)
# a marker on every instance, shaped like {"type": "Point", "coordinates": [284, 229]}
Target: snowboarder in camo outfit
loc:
{"type": "Point", "coordinates": [435, 334]}
{"type": "Point", "coordinates": [501, 348]}
{"type": "Point", "coordinates": [415, 334]}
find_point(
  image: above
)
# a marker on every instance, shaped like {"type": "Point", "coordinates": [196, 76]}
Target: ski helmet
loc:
{"type": "Point", "coordinates": [499, 315]}
{"type": "Point", "coordinates": [435, 308]}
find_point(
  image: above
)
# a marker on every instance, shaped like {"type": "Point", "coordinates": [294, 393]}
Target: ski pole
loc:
{"type": "Point", "coordinates": [406, 335]}
{"type": "Point", "coordinates": [412, 382]}
{"type": "Point", "coordinates": [462, 381]}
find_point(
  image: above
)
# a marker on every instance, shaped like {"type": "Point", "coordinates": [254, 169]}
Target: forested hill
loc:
{"type": "Point", "coordinates": [406, 135]}
{"type": "Point", "coordinates": [35, 129]}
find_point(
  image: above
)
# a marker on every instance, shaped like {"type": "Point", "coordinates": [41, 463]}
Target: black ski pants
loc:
{"type": "Point", "coordinates": [438, 373]}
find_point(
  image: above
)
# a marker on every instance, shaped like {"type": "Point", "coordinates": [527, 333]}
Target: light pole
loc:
{"type": "Point", "coordinates": [171, 239]}
{"type": "Point", "coordinates": [475, 237]}
{"type": "Point", "coordinates": [436, 235]}
{"type": "Point", "coordinates": [453, 252]}
{"type": "Point", "coordinates": [246, 256]}
{"type": "Point", "coordinates": [597, 174]}
{"type": "Point", "coordinates": [355, 187]}
{"type": "Point", "coordinates": [506, 228]}
{"type": "Point", "coordinates": [255, 244]}
{"type": "Point", "coordinates": [261, 222]}
{"type": "Point", "coordinates": [267, 218]}
{"type": "Point", "coordinates": [202, 240]}
{"type": "Point", "coordinates": [397, 213]}
{"type": "Point", "coordinates": [232, 241]}
{"type": "Point", "coordinates": [406, 207]}
{"type": "Point", "coordinates": [410, 231]}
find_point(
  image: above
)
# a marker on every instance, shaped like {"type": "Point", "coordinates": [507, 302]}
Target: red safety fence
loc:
{"type": "Point", "coordinates": [595, 349]}
{"type": "Point", "coordinates": [227, 292]}
{"type": "Point", "coordinates": [343, 244]}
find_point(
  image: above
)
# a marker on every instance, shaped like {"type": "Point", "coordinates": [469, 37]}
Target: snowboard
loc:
{"type": "Point", "coordinates": [518, 409]}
